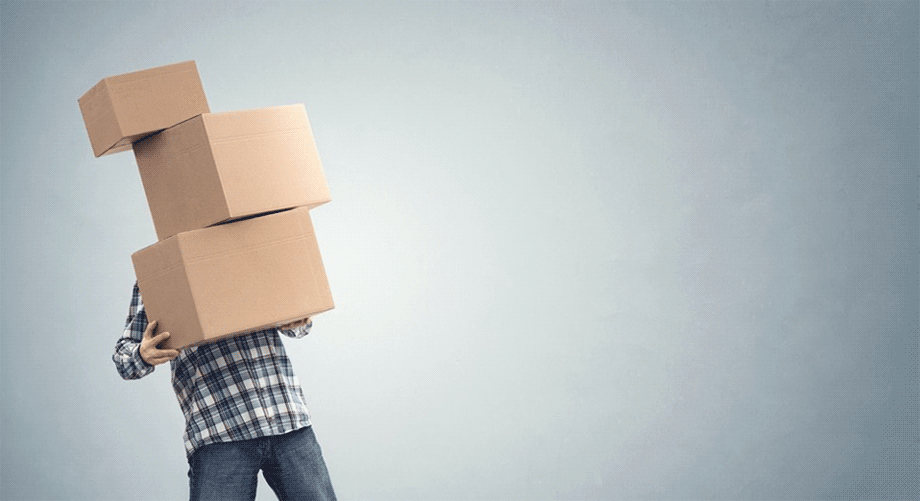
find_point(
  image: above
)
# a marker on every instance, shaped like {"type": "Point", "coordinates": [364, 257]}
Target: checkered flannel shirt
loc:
{"type": "Point", "coordinates": [235, 388]}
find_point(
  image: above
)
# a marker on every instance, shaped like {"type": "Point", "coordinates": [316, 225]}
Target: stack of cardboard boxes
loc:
{"type": "Point", "coordinates": [230, 195]}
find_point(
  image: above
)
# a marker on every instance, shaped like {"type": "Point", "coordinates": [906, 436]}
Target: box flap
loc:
{"type": "Point", "coordinates": [166, 94]}
{"type": "Point", "coordinates": [230, 125]}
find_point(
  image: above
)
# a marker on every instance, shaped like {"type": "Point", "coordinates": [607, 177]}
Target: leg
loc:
{"type": "Point", "coordinates": [295, 469]}
{"type": "Point", "coordinates": [225, 471]}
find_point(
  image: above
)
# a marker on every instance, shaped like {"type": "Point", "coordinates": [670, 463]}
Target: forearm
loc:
{"type": "Point", "coordinates": [127, 356]}
{"type": "Point", "coordinates": [128, 359]}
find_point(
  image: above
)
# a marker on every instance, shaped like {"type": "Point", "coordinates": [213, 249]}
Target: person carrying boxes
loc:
{"type": "Point", "coordinates": [236, 267]}
{"type": "Point", "coordinates": [244, 410]}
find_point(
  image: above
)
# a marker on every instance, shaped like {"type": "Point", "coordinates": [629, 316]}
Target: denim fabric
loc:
{"type": "Point", "coordinates": [292, 465]}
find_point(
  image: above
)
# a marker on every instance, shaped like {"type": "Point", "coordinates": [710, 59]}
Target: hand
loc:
{"type": "Point", "coordinates": [295, 324]}
{"type": "Point", "coordinates": [149, 351]}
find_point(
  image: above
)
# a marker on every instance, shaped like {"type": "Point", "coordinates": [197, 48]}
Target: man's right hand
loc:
{"type": "Point", "coordinates": [149, 351]}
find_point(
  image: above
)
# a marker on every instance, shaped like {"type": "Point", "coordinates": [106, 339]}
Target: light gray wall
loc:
{"type": "Point", "coordinates": [579, 250]}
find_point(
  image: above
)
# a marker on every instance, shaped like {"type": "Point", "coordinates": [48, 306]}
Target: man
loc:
{"type": "Point", "coordinates": [244, 410]}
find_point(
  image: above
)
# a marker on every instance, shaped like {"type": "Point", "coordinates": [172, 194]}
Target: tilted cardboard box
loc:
{"type": "Point", "coordinates": [233, 278]}
{"type": "Point", "coordinates": [218, 167]}
{"type": "Point", "coordinates": [122, 109]}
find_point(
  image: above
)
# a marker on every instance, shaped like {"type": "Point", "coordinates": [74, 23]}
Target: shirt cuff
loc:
{"type": "Point", "coordinates": [141, 367]}
{"type": "Point", "coordinates": [298, 332]}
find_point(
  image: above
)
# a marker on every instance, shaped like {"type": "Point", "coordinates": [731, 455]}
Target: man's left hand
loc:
{"type": "Point", "coordinates": [296, 324]}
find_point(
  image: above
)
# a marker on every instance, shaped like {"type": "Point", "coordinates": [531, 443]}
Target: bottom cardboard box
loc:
{"type": "Point", "coordinates": [233, 278]}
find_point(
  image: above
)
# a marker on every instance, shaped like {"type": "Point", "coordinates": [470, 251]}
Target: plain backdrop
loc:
{"type": "Point", "coordinates": [579, 250]}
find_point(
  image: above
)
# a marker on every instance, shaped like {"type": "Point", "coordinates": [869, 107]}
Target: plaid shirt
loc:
{"type": "Point", "coordinates": [235, 388]}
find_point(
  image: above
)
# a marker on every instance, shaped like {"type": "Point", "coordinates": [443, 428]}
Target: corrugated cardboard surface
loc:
{"type": "Point", "coordinates": [219, 167]}
{"type": "Point", "coordinates": [100, 119]}
{"type": "Point", "coordinates": [183, 186]}
{"type": "Point", "coordinates": [167, 293]}
{"type": "Point", "coordinates": [122, 109]}
{"type": "Point", "coordinates": [234, 278]}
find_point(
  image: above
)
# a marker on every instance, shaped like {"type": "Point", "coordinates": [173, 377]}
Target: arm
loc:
{"type": "Point", "coordinates": [135, 351]}
{"type": "Point", "coordinates": [297, 329]}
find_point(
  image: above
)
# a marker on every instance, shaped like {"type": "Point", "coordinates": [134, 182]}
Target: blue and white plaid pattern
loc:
{"type": "Point", "coordinates": [236, 388]}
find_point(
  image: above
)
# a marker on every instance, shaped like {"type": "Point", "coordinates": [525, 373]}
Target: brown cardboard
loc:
{"type": "Point", "coordinates": [233, 278]}
{"type": "Point", "coordinates": [122, 109]}
{"type": "Point", "coordinates": [219, 167]}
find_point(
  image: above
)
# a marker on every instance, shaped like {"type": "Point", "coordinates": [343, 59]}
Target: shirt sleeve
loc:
{"type": "Point", "coordinates": [298, 332]}
{"type": "Point", "coordinates": [127, 355]}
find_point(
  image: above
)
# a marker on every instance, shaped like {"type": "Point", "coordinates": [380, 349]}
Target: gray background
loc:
{"type": "Point", "coordinates": [578, 250]}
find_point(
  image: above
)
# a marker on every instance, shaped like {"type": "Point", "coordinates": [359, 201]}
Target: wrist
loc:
{"type": "Point", "coordinates": [140, 355]}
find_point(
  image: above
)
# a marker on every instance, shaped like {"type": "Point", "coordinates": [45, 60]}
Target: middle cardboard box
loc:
{"type": "Point", "coordinates": [219, 167]}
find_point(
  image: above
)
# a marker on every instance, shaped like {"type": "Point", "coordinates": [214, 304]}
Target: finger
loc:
{"type": "Point", "coordinates": [164, 354]}
{"type": "Point", "coordinates": [298, 323]}
{"type": "Point", "coordinates": [158, 361]}
{"type": "Point", "coordinates": [151, 328]}
{"type": "Point", "coordinates": [159, 338]}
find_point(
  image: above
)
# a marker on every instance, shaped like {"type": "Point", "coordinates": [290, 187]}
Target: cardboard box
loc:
{"type": "Point", "coordinates": [233, 278]}
{"type": "Point", "coordinates": [122, 109]}
{"type": "Point", "coordinates": [219, 167]}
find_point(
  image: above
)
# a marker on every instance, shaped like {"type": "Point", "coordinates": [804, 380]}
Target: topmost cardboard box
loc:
{"type": "Point", "coordinates": [122, 109]}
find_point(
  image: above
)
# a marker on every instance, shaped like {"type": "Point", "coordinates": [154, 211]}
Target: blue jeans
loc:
{"type": "Point", "coordinates": [292, 465]}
